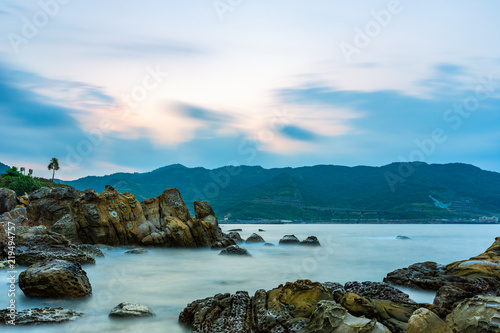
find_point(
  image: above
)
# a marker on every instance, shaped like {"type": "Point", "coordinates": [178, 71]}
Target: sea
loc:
{"type": "Point", "coordinates": [167, 280]}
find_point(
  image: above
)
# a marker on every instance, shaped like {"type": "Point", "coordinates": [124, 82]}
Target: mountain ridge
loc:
{"type": "Point", "coordinates": [253, 192]}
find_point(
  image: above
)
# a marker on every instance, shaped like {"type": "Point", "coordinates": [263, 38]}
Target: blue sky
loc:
{"type": "Point", "coordinates": [110, 86]}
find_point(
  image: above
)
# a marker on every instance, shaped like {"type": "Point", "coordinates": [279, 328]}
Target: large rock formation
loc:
{"type": "Point", "coordinates": [55, 279]}
{"type": "Point", "coordinates": [305, 307]}
{"type": "Point", "coordinates": [114, 218]}
{"type": "Point", "coordinates": [478, 314]}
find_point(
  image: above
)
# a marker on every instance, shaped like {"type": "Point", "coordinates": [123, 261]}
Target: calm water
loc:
{"type": "Point", "coordinates": [168, 279]}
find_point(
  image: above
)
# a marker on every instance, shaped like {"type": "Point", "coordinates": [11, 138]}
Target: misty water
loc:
{"type": "Point", "coordinates": [167, 280]}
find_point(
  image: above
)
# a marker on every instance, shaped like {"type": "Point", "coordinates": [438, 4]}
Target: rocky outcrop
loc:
{"type": "Point", "coordinates": [127, 309]}
{"type": "Point", "coordinates": [114, 218]}
{"type": "Point", "coordinates": [423, 320]}
{"type": "Point", "coordinates": [55, 279]}
{"type": "Point", "coordinates": [486, 264]}
{"type": "Point", "coordinates": [459, 280]}
{"type": "Point", "coordinates": [235, 250]}
{"type": "Point", "coordinates": [289, 240]}
{"type": "Point", "coordinates": [255, 238]}
{"type": "Point", "coordinates": [35, 244]}
{"type": "Point", "coordinates": [302, 306]}
{"type": "Point", "coordinates": [39, 316]}
{"type": "Point", "coordinates": [478, 314]}
{"type": "Point", "coordinates": [8, 200]}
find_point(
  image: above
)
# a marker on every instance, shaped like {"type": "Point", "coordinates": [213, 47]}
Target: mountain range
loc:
{"type": "Point", "coordinates": [322, 192]}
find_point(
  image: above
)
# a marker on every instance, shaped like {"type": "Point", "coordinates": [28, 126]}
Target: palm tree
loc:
{"type": "Point", "coordinates": [53, 165]}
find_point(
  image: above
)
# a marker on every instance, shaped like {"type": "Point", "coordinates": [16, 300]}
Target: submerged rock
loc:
{"type": "Point", "coordinates": [311, 241]}
{"type": "Point", "coordinates": [137, 250]}
{"type": "Point", "coordinates": [289, 240]}
{"type": "Point", "coordinates": [402, 237]}
{"type": "Point", "coordinates": [55, 279]}
{"type": "Point", "coordinates": [235, 250]}
{"type": "Point", "coordinates": [38, 316]}
{"type": "Point", "coordinates": [255, 238]}
{"type": "Point", "coordinates": [92, 250]}
{"type": "Point", "coordinates": [127, 309]}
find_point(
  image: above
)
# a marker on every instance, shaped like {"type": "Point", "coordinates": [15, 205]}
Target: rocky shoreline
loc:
{"type": "Point", "coordinates": [59, 231]}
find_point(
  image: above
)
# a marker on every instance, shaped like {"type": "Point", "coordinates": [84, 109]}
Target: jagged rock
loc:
{"type": "Point", "coordinates": [24, 199]}
{"type": "Point", "coordinates": [55, 279]}
{"type": "Point", "coordinates": [114, 218]}
{"type": "Point", "coordinates": [478, 314]}
{"type": "Point", "coordinates": [8, 200]}
{"type": "Point", "coordinates": [38, 316]}
{"type": "Point", "coordinates": [331, 317]}
{"type": "Point", "coordinates": [12, 214]}
{"type": "Point", "coordinates": [425, 321]}
{"type": "Point", "coordinates": [127, 309]}
{"type": "Point", "coordinates": [255, 238]}
{"type": "Point", "coordinates": [288, 240]}
{"type": "Point", "coordinates": [235, 250]}
{"type": "Point", "coordinates": [377, 290]}
{"type": "Point", "coordinates": [311, 241]}
{"type": "Point", "coordinates": [402, 237]}
{"type": "Point", "coordinates": [35, 244]}
{"type": "Point", "coordinates": [235, 236]}
{"type": "Point", "coordinates": [92, 250]}
{"type": "Point", "coordinates": [65, 226]}
{"type": "Point", "coordinates": [138, 250]}
{"type": "Point", "coordinates": [221, 313]}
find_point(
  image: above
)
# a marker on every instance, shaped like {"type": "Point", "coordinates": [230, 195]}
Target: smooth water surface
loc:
{"type": "Point", "coordinates": [167, 280]}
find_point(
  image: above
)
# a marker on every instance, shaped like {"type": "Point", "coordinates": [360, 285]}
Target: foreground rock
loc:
{"type": "Point", "coordinates": [126, 309]}
{"type": "Point", "coordinates": [426, 321]}
{"type": "Point", "coordinates": [235, 236]}
{"type": "Point", "coordinates": [289, 240]}
{"type": "Point", "coordinates": [478, 314]}
{"type": "Point", "coordinates": [377, 290]}
{"type": "Point", "coordinates": [235, 250]}
{"type": "Point", "coordinates": [38, 316]}
{"type": "Point", "coordinates": [35, 244]}
{"type": "Point", "coordinates": [114, 218]}
{"type": "Point", "coordinates": [255, 238]}
{"type": "Point", "coordinates": [8, 200]}
{"type": "Point", "coordinates": [302, 306]}
{"type": "Point", "coordinates": [55, 279]}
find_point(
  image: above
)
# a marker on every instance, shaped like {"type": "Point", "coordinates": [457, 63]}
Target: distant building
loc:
{"type": "Point", "coordinates": [493, 219]}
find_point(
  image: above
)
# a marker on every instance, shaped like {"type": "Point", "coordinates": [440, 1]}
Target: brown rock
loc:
{"type": "Point", "coordinates": [425, 321]}
{"type": "Point", "coordinates": [55, 279]}
{"type": "Point", "coordinates": [8, 200]}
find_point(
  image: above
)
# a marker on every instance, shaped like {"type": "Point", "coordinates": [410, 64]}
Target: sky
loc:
{"type": "Point", "coordinates": [131, 86]}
